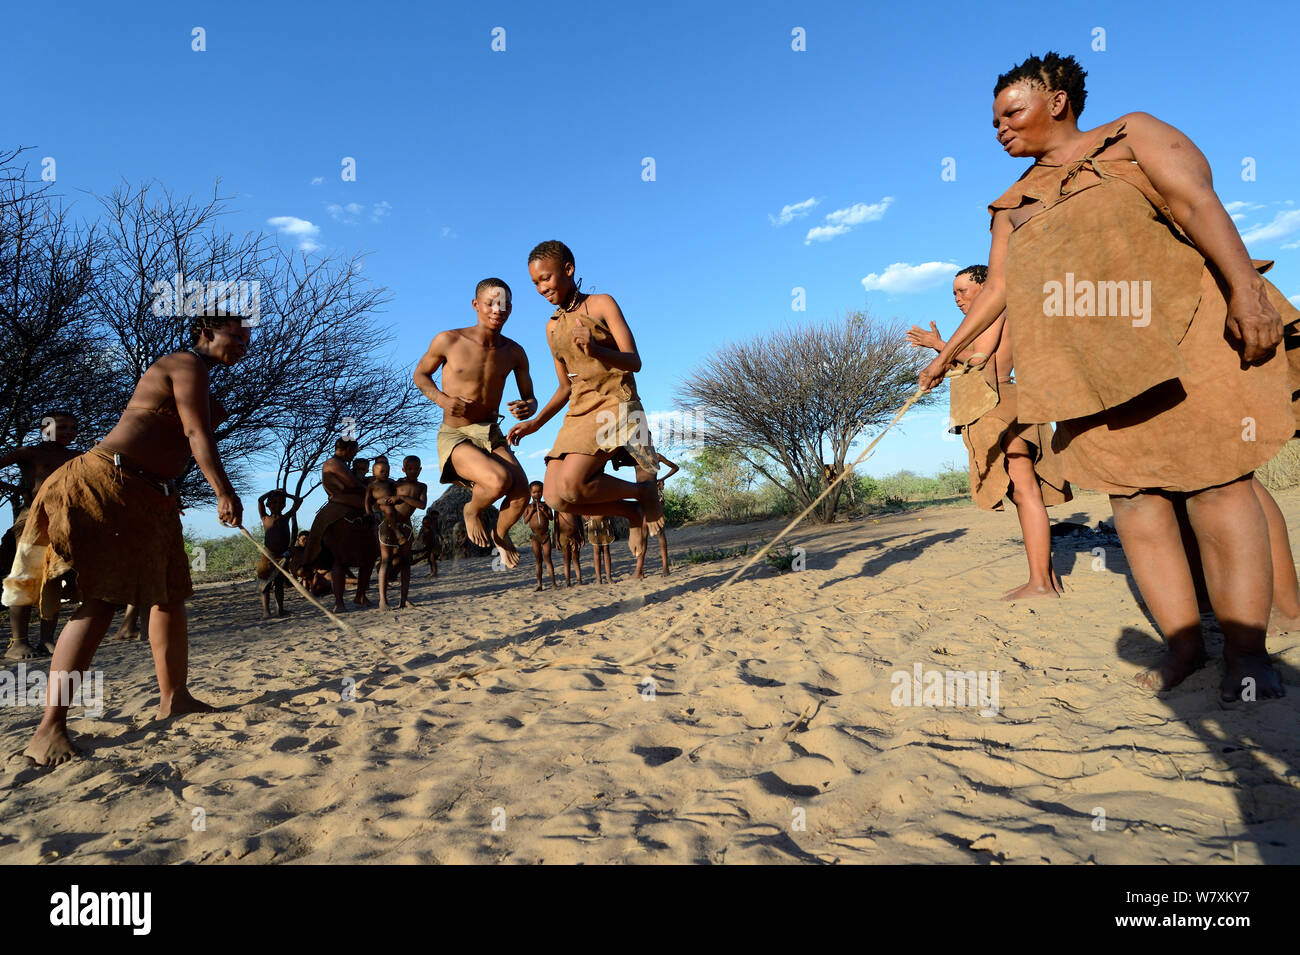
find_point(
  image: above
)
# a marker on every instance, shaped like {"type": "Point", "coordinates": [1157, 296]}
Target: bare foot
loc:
{"type": "Point", "coordinates": [362, 601]}
{"type": "Point", "coordinates": [636, 538]}
{"type": "Point", "coordinates": [651, 507]}
{"type": "Point", "coordinates": [385, 605]}
{"type": "Point", "coordinates": [340, 607]}
{"type": "Point", "coordinates": [183, 702]}
{"type": "Point", "coordinates": [1280, 623]}
{"type": "Point", "coordinates": [665, 571]}
{"type": "Point", "coordinates": [21, 650]}
{"type": "Point", "coordinates": [123, 635]}
{"type": "Point", "coordinates": [474, 529]}
{"type": "Point", "coordinates": [282, 612]}
{"type": "Point", "coordinates": [537, 589]}
{"type": "Point", "coordinates": [1250, 674]}
{"type": "Point", "coordinates": [1030, 589]}
{"type": "Point", "coordinates": [506, 548]}
{"type": "Point", "coordinates": [1181, 660]}
{"type": "Point", "coordinates": [51, 746]}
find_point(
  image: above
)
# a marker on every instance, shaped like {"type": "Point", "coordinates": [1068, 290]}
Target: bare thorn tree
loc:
{"type": "Point", "coordinates": [793, 401]}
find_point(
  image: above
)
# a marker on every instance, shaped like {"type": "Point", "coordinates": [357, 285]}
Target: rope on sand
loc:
{"type": "Point", "coordinates": [342, 624]}
{"type": "Point", "coordinates": [655, 645]}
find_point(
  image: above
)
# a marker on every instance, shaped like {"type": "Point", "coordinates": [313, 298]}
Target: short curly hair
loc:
{"type": "Point", "coordinates": [551, 249]}
{"type": "Point", "coordinates": [1051, 72]}
{"type": "Point", "coordinates": [979, 274]}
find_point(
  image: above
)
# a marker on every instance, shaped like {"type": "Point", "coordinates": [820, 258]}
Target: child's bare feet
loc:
{"type": "Point", "coordinates": [340, 607]}
{"type": "Point", "coordinates": [51, 746]}
{"type": "Point", "coordinates": [636, 538]}
{"type": "Point", "coordinates": [182, 702]}
{"type": "Point", "coordinates": [1251, 673]}
{"type": "Point", "coordinates": [1280, 622]}
{"type": "Point", "coordinates": [651, 507]}
{"type": "Point", "coordinates": [474, 529]}
{"type": "Point", "coordinates": [1183, 658]}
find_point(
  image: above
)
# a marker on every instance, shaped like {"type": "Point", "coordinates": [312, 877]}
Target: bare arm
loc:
{"type": "Point", "coordinates": [429, 363]}
{"type": "Point", "coordinates": [558, 401]}
{"type": "Point", "coordinates": [527, 403]}
{"type": "Point", "coordinates": [984, 311]}
{"type": "Point", "coordinates": [626, 358]}
{"type": "Point", "coordinates": [16, 456]}
{"type": "Point", "coordinates": [1181, 174]}
{"type": "Point", "coordinates": [672, 468]}
{"type": "Point", "coordinates": [189, 381]}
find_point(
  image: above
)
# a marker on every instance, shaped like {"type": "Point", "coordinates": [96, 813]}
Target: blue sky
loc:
{"type": "Point", "coordinates": [467, 157]}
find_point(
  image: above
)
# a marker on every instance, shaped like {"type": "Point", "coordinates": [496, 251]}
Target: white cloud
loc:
{"type": "Point", "coordinates": [843, 220]}
{"type": "Point", "coordinates": [1242, 206]}
{"type": "Point", "coordinates": [1291, 245]}
{"type": "Point", "coordinates": [902, 277]}
{"type": "Point", "coordinates": [1284, 223]}
{"type": "Point", "coordinates": [796, 211]}
{"type": "Point", "coordinates": [301, 229]}
{"type": "Point", "coordinates": [446, 232]}
{"type": "Point", "coordinates": [317, 180]}
{"type": "Point", "coordinates": [351, 213]}
{"type": "Point", "coordinates": [1294, 300]}
{"type": "Point", "coordinates": [540, 454]}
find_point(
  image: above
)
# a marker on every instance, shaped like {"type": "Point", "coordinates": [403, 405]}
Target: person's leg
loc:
{"type": "Point", "coordinates": [537, 557]}
{"type": "Point", "coordinates": [20, 619]}
{"type": "Point", "coordinates": [279, 595]}
{"type": "Point", "coordinates": [512, 508]}
{"type": "Point", "coordinates": [576, 484]}
{"type": "Point", "coordinates": [266, 597]}
{"type": "Point", "coordinates": [338, 583]}
{"type": "Point", "coordinates": [608, 554]}
{"type": "Point", "coordinates": [1286, 591]}
{"type": "Point", "coordinates": [385, 562]}
{"type": "Point", "coordinates": [490, 478]}
{"type": "Point", "coordinates": [546, 552]}
{"type": "Point", "coordinates": [1148, 532]}
{"type": "Point", "coordinates": [663, 549]}
{"type": "Point", "coordinates": [129, 629]}
{"type": "Point", "coordinates": [170, 642]}
{"type": "Point", "coordinates": [1232, 531]}
{"type": "Point", "coordinates": [404, 570]}
{"type": "Point", "coordinates": [1034, 526]}
{"type": "Point", "coordinates": [73, 653]}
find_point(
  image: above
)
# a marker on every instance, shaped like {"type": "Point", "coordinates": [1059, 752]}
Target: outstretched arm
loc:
{"type": "Point", "coordinates": [558, 401]}
{"type": "Point", "coordinates": [1181, 174]}
{"type": "Point", "coordinates": [984, 311]}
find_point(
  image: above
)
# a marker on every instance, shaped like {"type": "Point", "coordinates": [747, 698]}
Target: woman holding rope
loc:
{"type": "Point", "coordinates": [1143, 329]}
{"type": "Point", "coordinates": [112, 515]}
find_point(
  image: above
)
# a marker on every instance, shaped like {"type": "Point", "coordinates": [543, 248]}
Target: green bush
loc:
{"type": "Point", "coordinates": [679, 506]}
{"type": "Point", "coordinates": [232, 557]}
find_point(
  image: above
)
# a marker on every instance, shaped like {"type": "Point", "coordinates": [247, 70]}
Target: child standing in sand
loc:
{"type": "Point", "coordinates": [537, 515]}
{"type": "Point", "coordinates": [278, 530]}
{"type": "Point", "coordinates": [601, 536]}
{"type": "Point", "coordinates": [663, 532]}
{"type": "Point", "coordinates": [393, 527]}
{"type": "Point", "coordinates": [472, 451]}
{"type": "Point", "coordinates": [595, 361]}
{"type": "Point", "coordinates": [569, 540]}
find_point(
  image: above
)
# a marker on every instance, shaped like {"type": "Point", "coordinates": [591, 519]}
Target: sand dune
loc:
{"type": "Point", "coordinates": [767, 731]}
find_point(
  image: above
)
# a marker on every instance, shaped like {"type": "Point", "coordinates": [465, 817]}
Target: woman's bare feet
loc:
{"type": "Point", "coordinates": [1280, 622]}
{"type": "Point", "coordinates": [1250, 676]}
{"type": "Point", "coordinates": [1183, 658]}
{"type": "Point", "coordinates": [1031, 589]}
{"type": "Point", "coordinates": [182, 702]}
{"type": "Point", "coordinates": [506, 548]}
{"type": "Point", "coordinates": [51, 746]}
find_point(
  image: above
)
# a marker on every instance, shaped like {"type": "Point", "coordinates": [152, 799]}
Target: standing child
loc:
{"type": "Point", "coordinates": [412, 495]}
{"type": "Point", "coordinates": [569, 539]}
{"type": "Point", "coordinates": [391, 525]}
{"type": "Point", "coordinates": [601, 536]}
{"type": "Point", "coordinates": [663, 532]}
{"type": "Point", "coordinates": [430, 541]}
{"type": "Point", "coordinates": [537, 515]}
{"type": "Point", "coordinates": [278, 530]}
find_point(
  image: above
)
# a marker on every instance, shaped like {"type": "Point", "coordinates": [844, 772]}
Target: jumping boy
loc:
{"type": "Point", "coordinates": [595, 361]}
{"type": "Point", "coordinates": [537, 515]}
{"type": "Point", "coordinates": [35, 464]}
{"type": "Point", "coordinates": [278, 531]}
{"type": "Point", "coordinates": [472, 451]}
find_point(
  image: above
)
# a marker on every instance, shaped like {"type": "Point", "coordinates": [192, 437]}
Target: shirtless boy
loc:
{"type": "Point", "coordinates": [595, 363]}
{"type": "Point", "coordinates": [472, 451]}
{"type": "Point", "coordinates": [569, 539]}
{"type": "Point", "coordinates": [278, 530]}
{"type": "Point", "coordinates": [35, 464]}
{"type": "Point", "coordinates": [393, 527]}
{"type": "Point", "coordinates": [347, 495]}
{"type": "Point", "coordinates": [412, 495]}
{"type": "Point", "coordinates": [537, 515]}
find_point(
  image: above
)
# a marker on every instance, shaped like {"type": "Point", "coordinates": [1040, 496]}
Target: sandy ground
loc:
{"type": "Point", "coordinates": [771, 731]}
